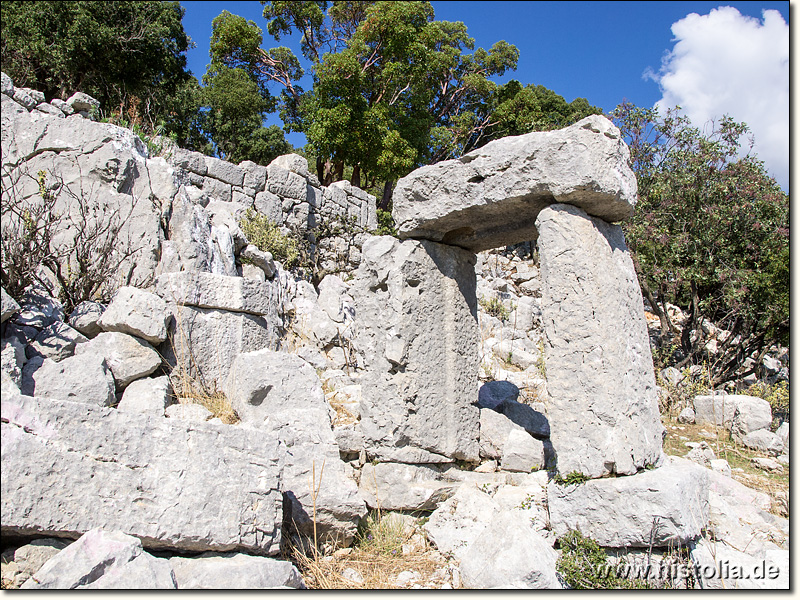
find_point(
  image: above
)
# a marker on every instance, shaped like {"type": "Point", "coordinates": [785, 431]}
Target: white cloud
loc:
{"type": "Point", "coordinates": [724, 63]}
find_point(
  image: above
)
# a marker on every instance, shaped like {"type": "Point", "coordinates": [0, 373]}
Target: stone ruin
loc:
{"type": "Point", "coordinates": [92, 436]}
{"type": "Point", "coordinates": [565, 188]}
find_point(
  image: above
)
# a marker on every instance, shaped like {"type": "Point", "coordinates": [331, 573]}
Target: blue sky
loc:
{"type": "Point", "coordinates": [720, 61]}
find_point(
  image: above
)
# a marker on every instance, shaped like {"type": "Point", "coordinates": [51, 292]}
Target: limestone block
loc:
{"type": "Point", "coordinates": [128, 357]}
{"type": "Point", "coordinates": [751, 414]}
{"type": "Point", "coordinates": [764, 441]}
{"type": "Point", "coordinates": [145, 572]}
{"type": "Point", "coordinates": [224, 171]}
{"type": "Point", "coordinates": [149, 395]}
{"type": "Point", "coordinates": [80, 101]}
{"type": "Point", "coordinates": [665, 507]}
{"type": "Point", "coordinates": [491, 197]}
{"type": "Point", "coordinates": [604, 416]}
{"type": "Point", "coordinates": [68, 468]}
{"type": "Point", "coordinates": [282, 393]}
{"type": "Point", "coordinates": [285, 183]}
{"type": "Point", "coordinates": [233, 571]}
{"type": "Point", "coordinates": [85, 379]}
{"type": "Point", "coordinates": [417, 333]}
{"type": "Point", "coordinates": [139, 313]}
{"type": "Point", "coordinates": [209, 290]}
{"type": "Point", "coordinates": [292, 162]}
{"type": "Point", "coordinates": [207, 340]}
{"type": "Point", "coordinates": [85, 317]}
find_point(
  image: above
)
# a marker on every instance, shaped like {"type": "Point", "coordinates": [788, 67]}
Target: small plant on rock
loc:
{"type": "Point", "coordinates": [267, 237]}
{"type": "Point", "coordinates": [495, 308]}
{"type": "Point", "coordinates": [584, 565]}
{"type": "Point", "coordinates": [573, 478]}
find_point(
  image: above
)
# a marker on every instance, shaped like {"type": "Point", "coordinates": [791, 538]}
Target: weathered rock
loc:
{"type": "Point", "coordinates": [68, 468]}
{"type": "Point", "coordinates": [418, 335]}
{"type": "Point", "coordinates": [522, 452]}
{"type": "Point", "coordinates": [262, 260]}
{"type": "Point", "coordinates": [207, 290]}
{"type": "Point", "coordinates": [783, 433]}
{"type": "Point", "coordinates": [128, 357]}
{"type": "Point", "coordinates": [32, 557]}
{"type": "Point", "coordinates": [143, 572]}
{"type": "Point", "coordinates": [767, 464]}
{"type": "Point", "coordinates": [495, 546]}
{"type": "Point", "coordinates": [662, 507]}
{"type": "Point", "coordinates": [764, 441]}
{"type": "Point", "coordinates": [150, 395]}
{"type": "Point", "coordinates": [206, 341]}
{"type": "Point", "coordinates": [9, 306]}
{"type": "Point", "coordinates": [604, 416]}
{"type": "Point", "coordinates": [751, 414]}
{"type": "Point", "coordinates": [686, 416]}
{"type": "Point", "coordinates": [717, 410]}
{"type": "Point", "coordinates": [281, 392]}
{"type": "Point", "coordinates": [6, 85]}
{"type": "Point", "coordinates": [137, 312]}
{"type": "Point", "coordinates": [396, 486]}
{"type": "Point", "coordinates": [12, 360]}
{"type": "Point", "coordinates": [86, 560]}
{"type": "Point", "coordinates": [85, 379]}
{"type": "Point", "coordinates": [80, 101]}
{"type": "Point", "coordinates": [85, 318]}
{"type": "Point", "coordinates": [57, 341]}
{"type": "Point", "coordinates": [491, 197]}
{"type": "Point", "coordinates": [718, 566]}
{"type": "Point", "coordinates": [233, 571]}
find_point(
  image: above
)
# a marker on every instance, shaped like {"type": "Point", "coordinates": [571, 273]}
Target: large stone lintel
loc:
{"type": "Point", "coordinates": [491, 197]}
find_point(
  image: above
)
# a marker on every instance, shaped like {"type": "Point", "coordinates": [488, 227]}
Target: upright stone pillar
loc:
{"type": "Point", "coordinates": [604, 416]}
{"type": "Point", "coordinates": [416, 309]}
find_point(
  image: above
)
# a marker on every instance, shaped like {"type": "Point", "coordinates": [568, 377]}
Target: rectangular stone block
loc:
{"type": "Point", "coordinates": [68, 468]}
{"type": "Point", "coordinates": [418, 336]}
{"type": "Point", "coordinates": [604, 416]}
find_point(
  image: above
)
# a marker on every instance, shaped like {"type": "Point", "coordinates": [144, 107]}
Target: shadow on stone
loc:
{"type": "Point", "coordinates": [501, 396]}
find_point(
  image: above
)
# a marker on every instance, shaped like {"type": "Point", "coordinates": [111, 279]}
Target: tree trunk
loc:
{"type": "Point", "coordinates": [386, 197]}
{"type": "Point", "coordinates": [355, 179]}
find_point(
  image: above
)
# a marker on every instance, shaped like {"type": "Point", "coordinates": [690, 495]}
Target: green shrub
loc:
{"type": "Point", "coordinates": [267, 237]}
{"type": "Point", "coordinates": [584, 565]}
{"type": "Point", "coordinates": [380, 534]}
{"type": "Point", "coordinates": [386, 224]}
{"type": "Point", "coordinates": [495, 308]}
{"type": "Point", "coordinates": [777, 395]}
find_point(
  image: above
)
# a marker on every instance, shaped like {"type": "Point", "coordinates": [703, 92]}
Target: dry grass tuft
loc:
{"type": "Point", "coordinates": [190, 391]}
{"type": "Point", "coordinates": [384, 548]}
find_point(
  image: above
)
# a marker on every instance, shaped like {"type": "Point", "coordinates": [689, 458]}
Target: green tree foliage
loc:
{"type": "Point", "coordinates": [385, 74]}
{"type": "Point", "coordinates": [711, 235]}
{"type": "Point", "coordinates": [509, 109]}
{"type": "Point", "coordinates": [128, 55]}
{"type": "Point", "coordinates": [235, 99]}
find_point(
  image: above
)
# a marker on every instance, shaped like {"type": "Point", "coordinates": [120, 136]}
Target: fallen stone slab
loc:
{"type": "Point", "coordinates": [149, 395]}
{"type": "Point", "coordinates": [32, 557]}
{"type": "Point", "coordinates": [763, 440]}
{"type": "Point", "coordinates": [281, 393]}
{"type": "Point", "coordinates": [719, 408]}
{"type": "Point", "coordinates": [206, 341]}
{"type": "Point", "coordinates": [137, 312]}
{"type": "Point", "coordinates": [751, 414]}
{"type": "Point", "coordinates": [68, 468]}
{"type": "Point", "coordinates": [234, 571]}
{"type": "Point", "coordinates": [495, 546]}
{"type": "Point", "coordinates": [86, 560]}
{"type": "Point", "coordinates": [128, 357]}
{"type": "Point", "coordinates": [85, 317]}
{"type": "Point", "coordinates": [603, 409]}
{"type": "Point", "coordinates": [145, 572]}
{"type": "Point", "coordinates": [663, 507]}
{"type": "Point", "coordinates": [491, 197]}
{"type": "Point", "coordinates": [86, 379]}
